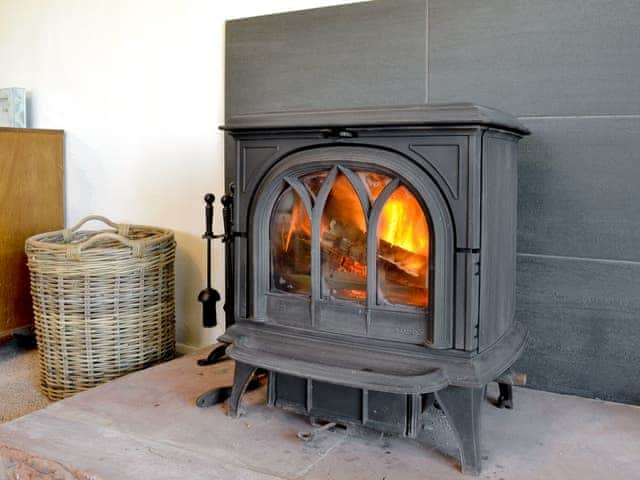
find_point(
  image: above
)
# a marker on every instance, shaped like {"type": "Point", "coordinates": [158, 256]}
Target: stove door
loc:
{"type": "Point", "coordinates": [348, 246]}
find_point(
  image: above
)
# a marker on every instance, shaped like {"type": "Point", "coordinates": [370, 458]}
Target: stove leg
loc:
{"type": "Point", "coordinates": [241, 376]}
{"type": "Point", "coordinates": [462, 408]}
{"type": "Point", "coordinates": [505, 400]}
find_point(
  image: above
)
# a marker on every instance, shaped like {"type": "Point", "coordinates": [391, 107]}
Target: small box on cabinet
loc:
{"type": "Point", "coordinates": [13, 111]}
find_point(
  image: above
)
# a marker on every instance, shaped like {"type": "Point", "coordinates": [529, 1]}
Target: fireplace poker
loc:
{"type": "Point", "coordinates": [209, 296]}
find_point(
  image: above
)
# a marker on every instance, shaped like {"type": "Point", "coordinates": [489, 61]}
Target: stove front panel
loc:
{"type": "Point", "coordinates": [353, 240]}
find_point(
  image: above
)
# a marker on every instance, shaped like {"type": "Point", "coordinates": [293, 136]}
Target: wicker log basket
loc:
{"type": "Point", "coordinates": [103, 302]}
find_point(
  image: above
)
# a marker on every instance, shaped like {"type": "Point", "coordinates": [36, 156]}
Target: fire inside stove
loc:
{"type": "Point", "coordinates": [401, 241]}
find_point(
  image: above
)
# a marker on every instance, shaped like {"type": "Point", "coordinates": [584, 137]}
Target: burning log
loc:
{"type": "Point", "coordinates": [412, 264]}
{"type": "Point", "coordinates": [402, 273]}
{"type": "Point", "coordinates": [344, 254]}
{"type": "Point", "coordinates": [345, 240]}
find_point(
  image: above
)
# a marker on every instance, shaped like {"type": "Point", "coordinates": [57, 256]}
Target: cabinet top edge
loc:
{"type": "Point", "coordinates": [30, 130]}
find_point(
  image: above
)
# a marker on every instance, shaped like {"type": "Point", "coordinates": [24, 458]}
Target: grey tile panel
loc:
{"type": "Point", "coordinates": [537, 57]}
{"type": "Point", "coordinates": [362, 54]}
{"type": "Point", "coordinates": [584, 326]}
{"type": "Point", "coordinates": [579, 188]}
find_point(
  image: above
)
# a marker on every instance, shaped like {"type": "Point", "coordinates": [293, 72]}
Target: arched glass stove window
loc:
{"type": "Point", "coordinates": [403, 248]}
{"type": "Point", "coordinates": [344, 202]}
{"type": "Point", "coordinates": [290, 244]}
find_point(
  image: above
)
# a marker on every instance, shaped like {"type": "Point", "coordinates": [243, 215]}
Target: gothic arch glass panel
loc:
{"type": "Point", "coordinates": [290, 245]}
{"type": "Point", "coordinates": [403, 251]}
{"type": "Point", "coordinates": [343, 243]}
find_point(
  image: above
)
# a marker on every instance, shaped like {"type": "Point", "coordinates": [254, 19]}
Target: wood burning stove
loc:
{"type": "Point", "coordinates": [372, 267]}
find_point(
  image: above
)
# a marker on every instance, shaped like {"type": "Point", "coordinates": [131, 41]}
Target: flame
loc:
{"type": "Point", "coordinates": [403, 224]}
{"type": "Point", "coordinates": [300, 221]}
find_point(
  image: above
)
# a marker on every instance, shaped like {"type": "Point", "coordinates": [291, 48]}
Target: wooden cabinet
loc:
{"type": "Point", "coordinates": [31, 201]}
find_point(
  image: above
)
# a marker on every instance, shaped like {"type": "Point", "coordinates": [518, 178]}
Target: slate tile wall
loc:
{"type": "Point", "coordinates": [570, 70]}
{"type": "Point", "coordinates": [536, 57]}
{"type": "Point", "coordinates": [582, 317]}
{"type": "Point", "coordinates": [361, 54]}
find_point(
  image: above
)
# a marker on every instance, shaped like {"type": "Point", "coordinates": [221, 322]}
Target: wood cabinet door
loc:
{"type": "Point", "coordinates": [31, 202]}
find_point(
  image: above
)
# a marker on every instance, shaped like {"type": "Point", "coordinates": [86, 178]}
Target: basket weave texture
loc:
{"type": "Point", "coordinates": [103, 302]}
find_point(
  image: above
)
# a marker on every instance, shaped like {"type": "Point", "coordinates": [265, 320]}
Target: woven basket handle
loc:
{"type": "Point", "coordinates": [75, 250]}
{"type": "Point", "coordinates": [122, 228]}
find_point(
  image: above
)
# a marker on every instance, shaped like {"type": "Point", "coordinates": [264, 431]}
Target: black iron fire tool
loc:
{"type": "Point", "coordinates": [220, 394]}
{"type": "Point", "coordinates": [209, 297]}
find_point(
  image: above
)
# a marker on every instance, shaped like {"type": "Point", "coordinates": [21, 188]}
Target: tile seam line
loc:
{"type": "Point", "coordinates": [566, 257]}
{"type": "Point", "coordinates": [578, 117]}
{"type": "Point", "coordinates": [527, 305]}
{"type": "Point", "coordinates": [427, 67]}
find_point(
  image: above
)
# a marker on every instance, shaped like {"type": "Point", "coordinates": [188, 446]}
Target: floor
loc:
{"type": "Point", "coordinates": [19, 392]}
{"type": "Point", "coordinates": [146, 426]}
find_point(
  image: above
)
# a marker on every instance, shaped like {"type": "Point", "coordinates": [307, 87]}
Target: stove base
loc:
{"type": "Point", "coordinates": [385, 412]}
{"type": "Point", "coordinates": [378, 385]}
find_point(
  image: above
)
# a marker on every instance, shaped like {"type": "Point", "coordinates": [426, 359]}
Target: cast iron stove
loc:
{"type": "Point", "coordinates": [372, 267]}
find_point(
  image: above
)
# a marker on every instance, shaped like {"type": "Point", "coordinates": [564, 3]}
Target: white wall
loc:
{"type": "Point", "coordinates": [138, 86]}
